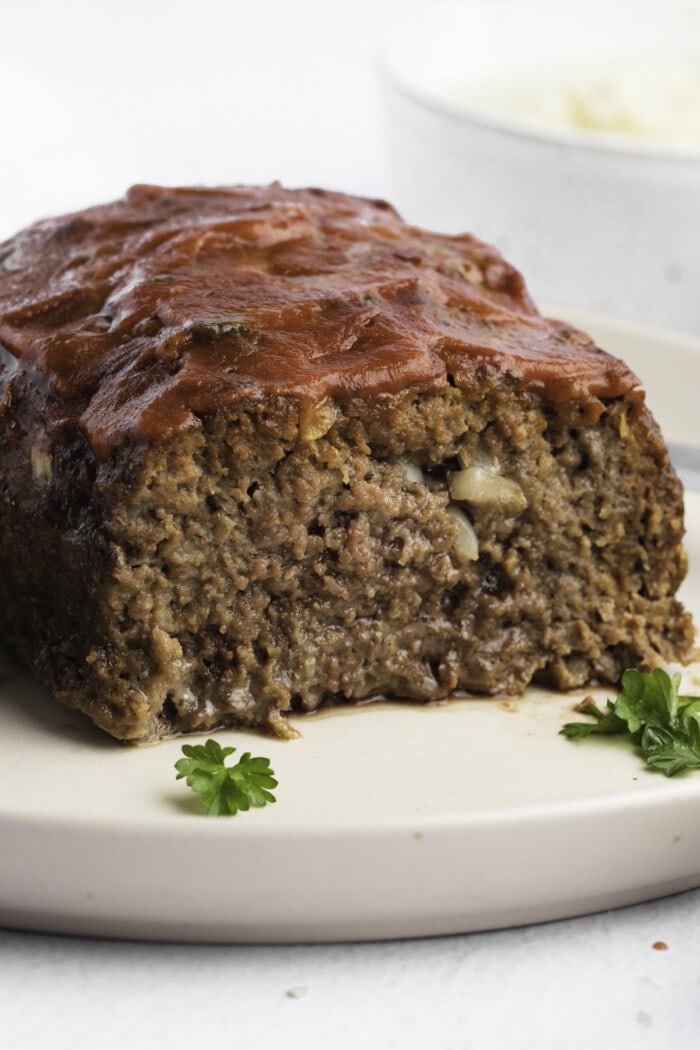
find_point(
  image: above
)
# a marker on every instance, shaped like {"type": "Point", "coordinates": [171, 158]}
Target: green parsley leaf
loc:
{"type": "Point", "coordinates": [211, 330]}
{"type": "Point", "coordinates": [607, 722]}
{"type": "Point", "coordinates": [223, 789]}
{"type": "Point", "coordinates": [649, 710]}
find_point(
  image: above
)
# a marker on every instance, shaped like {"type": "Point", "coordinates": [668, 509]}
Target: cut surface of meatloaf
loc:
{"type": "Point", "coordinates": [265, 449]}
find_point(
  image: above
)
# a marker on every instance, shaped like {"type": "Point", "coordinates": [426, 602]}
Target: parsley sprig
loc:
{"type": "Point", "coordinates": [224, 789]}
{"type": "Point", "coordinates": [649, 710]}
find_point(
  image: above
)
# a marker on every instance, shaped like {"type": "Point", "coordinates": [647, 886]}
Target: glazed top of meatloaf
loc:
{"type": "Point", "coordinates": [140, 315]}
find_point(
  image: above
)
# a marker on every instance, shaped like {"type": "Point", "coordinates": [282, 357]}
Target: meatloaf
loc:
{"type": "Point", "coordinates": [263, 450]}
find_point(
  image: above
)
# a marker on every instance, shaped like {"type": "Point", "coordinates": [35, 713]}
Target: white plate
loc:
{"type": "Point", "coordinates": [391, 821]}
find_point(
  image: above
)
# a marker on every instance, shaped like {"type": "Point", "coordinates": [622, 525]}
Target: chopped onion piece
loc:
{"type": "Point", "coordinates": [42, 465]}
{"type": "Point", "coordinates": [412, 472]}
{"type": "Point", "coordinates": [482, 487]}
{"type": "Point", "coordinates": [466, 545]}
{"type": "Point", "coordinates": [316, 419]}
{"type": "Point", "coordinates": [481, 459]}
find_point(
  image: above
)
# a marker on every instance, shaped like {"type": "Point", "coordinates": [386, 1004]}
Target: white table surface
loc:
{"type": "Point", "coordinates": [95, 96]}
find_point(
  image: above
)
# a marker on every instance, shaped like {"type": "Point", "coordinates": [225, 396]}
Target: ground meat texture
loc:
{"type": "Point", "coordinates": [279, 552]}
{"type": "Point", "coordinates": [241, 571]}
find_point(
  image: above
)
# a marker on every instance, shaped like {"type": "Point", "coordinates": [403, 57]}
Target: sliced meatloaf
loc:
{"type": "Point", "coordinates": [263, 450]}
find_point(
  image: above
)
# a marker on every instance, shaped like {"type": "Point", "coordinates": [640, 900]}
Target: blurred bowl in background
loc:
{"type": "Point", "coordinates": [566, 134]}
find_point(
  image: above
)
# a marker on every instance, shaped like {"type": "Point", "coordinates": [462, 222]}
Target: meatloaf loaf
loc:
{"type": "Point", "coordinates": [263, 450]}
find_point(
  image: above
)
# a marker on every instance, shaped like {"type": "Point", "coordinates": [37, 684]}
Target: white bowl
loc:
{"type": "Point", "coordinates": [607, 221]}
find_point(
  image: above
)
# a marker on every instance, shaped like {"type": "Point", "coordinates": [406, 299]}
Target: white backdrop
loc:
{"type": "Point", "coordinates": [96, 96]}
